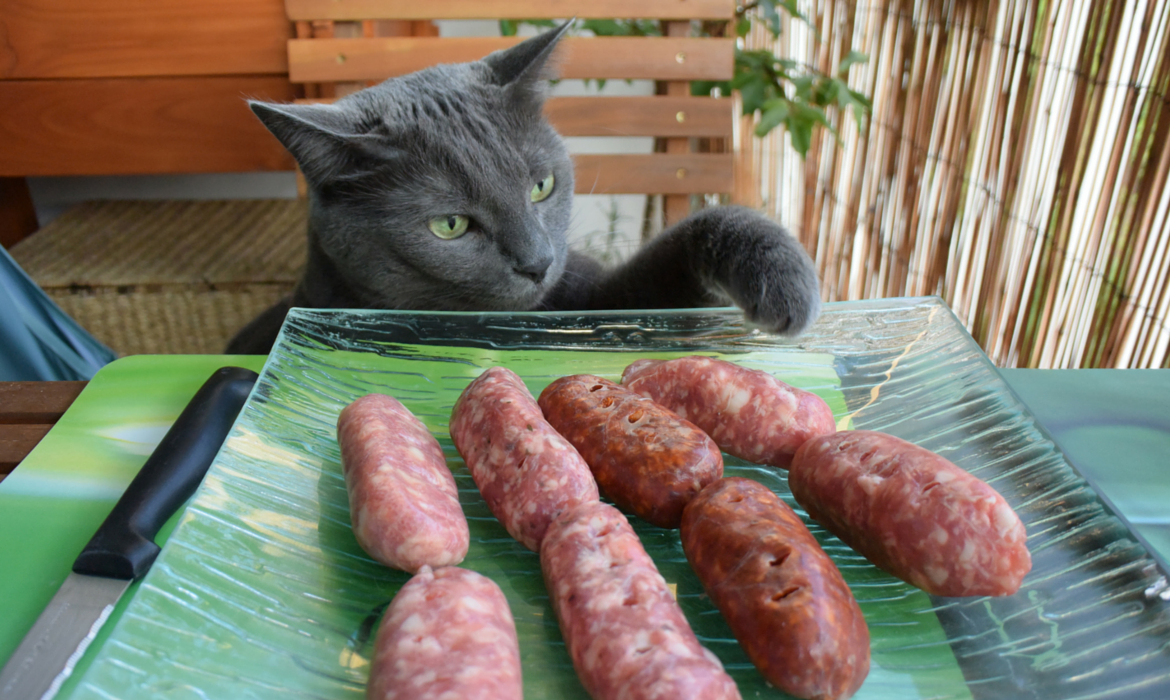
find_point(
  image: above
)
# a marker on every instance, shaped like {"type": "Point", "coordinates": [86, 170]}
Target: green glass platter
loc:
{"type": "Point", "coordinates": [262, 591]}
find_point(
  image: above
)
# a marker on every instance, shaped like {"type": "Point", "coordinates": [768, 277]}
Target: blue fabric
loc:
{"type": "Point", "coordinates": [38, 341]}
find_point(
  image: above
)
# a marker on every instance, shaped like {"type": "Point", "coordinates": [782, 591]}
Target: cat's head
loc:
{"type": "Point", "coordinates": [442, 189]}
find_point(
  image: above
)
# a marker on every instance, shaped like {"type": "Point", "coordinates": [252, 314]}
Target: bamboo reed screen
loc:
{"type": "Point", "coordinates": [1015, 163]}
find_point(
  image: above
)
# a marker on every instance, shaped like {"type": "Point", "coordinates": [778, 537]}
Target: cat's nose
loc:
{"type": "Point", "coordinates": [536, 269]}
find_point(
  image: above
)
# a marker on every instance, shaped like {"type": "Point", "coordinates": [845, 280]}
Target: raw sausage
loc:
{"type": "Point", "coordinates": [627, 636]}
{"type": "Point", "coordinates": [526, 472]}
{"type": "Point", "coordinates": [782, 596]}
{"type": "Point", "coordinates": [644, 457]}
{"type": "Point", "coordinates": [912, 513]}
{"type": "Point", "coordinates": [448, 634]}
{"type": "Point", "coordinates": [750, 414]}
{"type": "Point", "coordinates": [403, 501]}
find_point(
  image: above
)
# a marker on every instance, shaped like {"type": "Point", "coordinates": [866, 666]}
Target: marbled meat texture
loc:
{"type": "Point", "coordinates": [647, 459]}
{"type": "Point", "coordinates": [526, 472]}
{"type": "Point", "coordinates": [447, 635]}
{"type": "Point", "coordinates": [626, 635]}
{"type": "Point", "coordinates": [912, 513]}
{"type": "Point", "coordinates": [750, 414]}
{"type": "Point", "coordinates": [403, 501]}
{"type": "Point", "coordinates": [782, 596]}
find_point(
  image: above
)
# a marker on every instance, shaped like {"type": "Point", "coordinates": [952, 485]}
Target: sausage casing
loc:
{"type": "Point", "coordinates": [750, 414]}
{"type": "Point", "coordinates": [912, 513]}
{"type": "Point", "coordinates": [628, 638]}
{"type": "Point", "coordinates": [449, 633]}
{"type": "Point", "coordinates": [403, 501]}
{"type": "Point", "coordinates": [525, 470]}
{"type": "Point", "coordinates": [782, 596]}
{"type": "Point", "coordinates": [644, 457]}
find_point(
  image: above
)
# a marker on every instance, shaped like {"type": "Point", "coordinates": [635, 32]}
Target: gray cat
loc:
{"type": "Point", "coordinates": [446, 189]}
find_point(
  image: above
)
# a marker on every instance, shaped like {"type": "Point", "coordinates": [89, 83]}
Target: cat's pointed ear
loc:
{"type": "Point", "coordinates": [527, 62]}
{"type": "Point", "coordinates": [325, 139]}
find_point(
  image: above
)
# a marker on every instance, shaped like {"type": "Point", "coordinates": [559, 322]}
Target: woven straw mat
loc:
{"type": "Point", "coordinates": [167, 277]}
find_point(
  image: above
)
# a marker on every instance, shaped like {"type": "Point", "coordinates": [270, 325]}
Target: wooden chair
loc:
{"type": "Point", "coordinates": [343, 45]}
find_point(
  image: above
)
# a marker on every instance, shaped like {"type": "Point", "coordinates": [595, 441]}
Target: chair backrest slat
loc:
{"type": "Point", "coordinates": [640, 116]}
{"type": "Point", "coordinates": [660, 173]}
{"type": "Point", "coordinates": [508, 9]}
{"type": "Point", "coordinates": [665, 117]}
{"type": "Point", "coordinates": [618, 58]}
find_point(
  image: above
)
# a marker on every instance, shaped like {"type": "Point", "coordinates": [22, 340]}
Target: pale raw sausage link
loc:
{"type": "Point", "coordinates": [447, 635]}
{"type": "Point", "coordinates": [782, 596]}
{"type": "Point", "coordinates": [912, 513]}
{"type": "Point", "coordinates": [750, 414]}
{"type": "Point", "coordinates": [526, 472]}
{"type": "Point", "coordinates": [403, 501]}
{"type": "Point", "coordinates": [627, 636]}
{"type": "Point", "coordinates": [644, 457]}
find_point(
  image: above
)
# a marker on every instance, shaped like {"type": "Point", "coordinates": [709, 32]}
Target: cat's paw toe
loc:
{"type": "Point", "coordinates": [786, 309]}
{"type": "Point", "coordinates": [777, 287]}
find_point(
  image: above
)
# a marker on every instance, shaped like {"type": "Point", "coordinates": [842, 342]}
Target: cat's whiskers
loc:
{"type": "Point", "coordinates": [592, 281]}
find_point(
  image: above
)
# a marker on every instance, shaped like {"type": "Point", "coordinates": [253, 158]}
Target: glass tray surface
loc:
{"type": "Point", "coordinates": [263, 592]}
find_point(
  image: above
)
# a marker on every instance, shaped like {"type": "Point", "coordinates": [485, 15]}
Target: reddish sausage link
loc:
{"type": "Point", "coordinates": [644, 457]}
{"type": "Point", "coordinates": [628, 638]}
{"type": "Point", "coordinates": [402, 497]}
{"type": "Point", "coordinates": [912, 513]}
{"type": "Point", "coordinates": [782, 596]}
{"type": "Point", "coordinates": [749, 413]}
{"type": "Point", "coordinates": [526, 472]}
{"type": "Point", "coordinates": [447, 634]}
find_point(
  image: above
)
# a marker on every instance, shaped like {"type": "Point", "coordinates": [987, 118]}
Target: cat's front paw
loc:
{"type": "Point", "coordinates": [780, 299]}
{"type": "Point", "coordinates": [763, 269]}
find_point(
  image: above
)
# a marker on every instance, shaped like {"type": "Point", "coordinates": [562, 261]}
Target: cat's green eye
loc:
{"type": "Point", "coordinates": [542, 189]}
{"type": "Point", "coordinates": [450, 226]}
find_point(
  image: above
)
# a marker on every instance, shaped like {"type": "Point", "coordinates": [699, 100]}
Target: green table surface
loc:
{"type": "Point", "coordinates": [1114, 426]}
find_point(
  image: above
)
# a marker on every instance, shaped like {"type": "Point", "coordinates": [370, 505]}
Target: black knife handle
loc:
{"type": "Point", "coordinates": [123, 546]}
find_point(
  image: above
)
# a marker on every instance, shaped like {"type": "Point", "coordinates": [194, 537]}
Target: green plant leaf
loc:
{"type": "Point", "coordinates": [508, 27]}
{"type": "Point", "coordinates": [813, 115]}
{"type": "Point", "coordinates": [800, 134]}
{"type": "Point", "coordinates": [770, 16]}
{"type": "Point", "coordinates": [703, 88]}
{"type": "Point", "coordinates": [802, 120]}
{"type": "Point", "coordinates": [604, 27]}
{"type": "Point", "coordinates": [861, 99]}
{"type": "Point", "coordinates": [752, 61]}
{"type": "Point", "coordinates": [754, 93]}
{"type": "Point", "coordinates": [621, 27]}
{"type": "Point", "coordinates": [855, 102]}
{"type": "Point", "coordinates": [851, 59]}
{"type": "Point", "coordinates": [647, 27]}
{"type": "Point", "coordinates": [804, 87]}
{"type": "Point", "coordinates": [773, 113]}
{"type": "Point", "coordinates": [826, 91]}
{"type": "Point", "coordinates": [743, 26]}
{"type": "Point", "coordinates": [792, 9]}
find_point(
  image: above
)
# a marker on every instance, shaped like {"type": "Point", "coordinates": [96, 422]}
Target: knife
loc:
{"type": "Point", "coordinates": [123, 548]}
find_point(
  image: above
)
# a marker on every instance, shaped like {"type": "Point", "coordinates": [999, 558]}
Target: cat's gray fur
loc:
{"type": "Point", "coordinates": [470, 139]}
